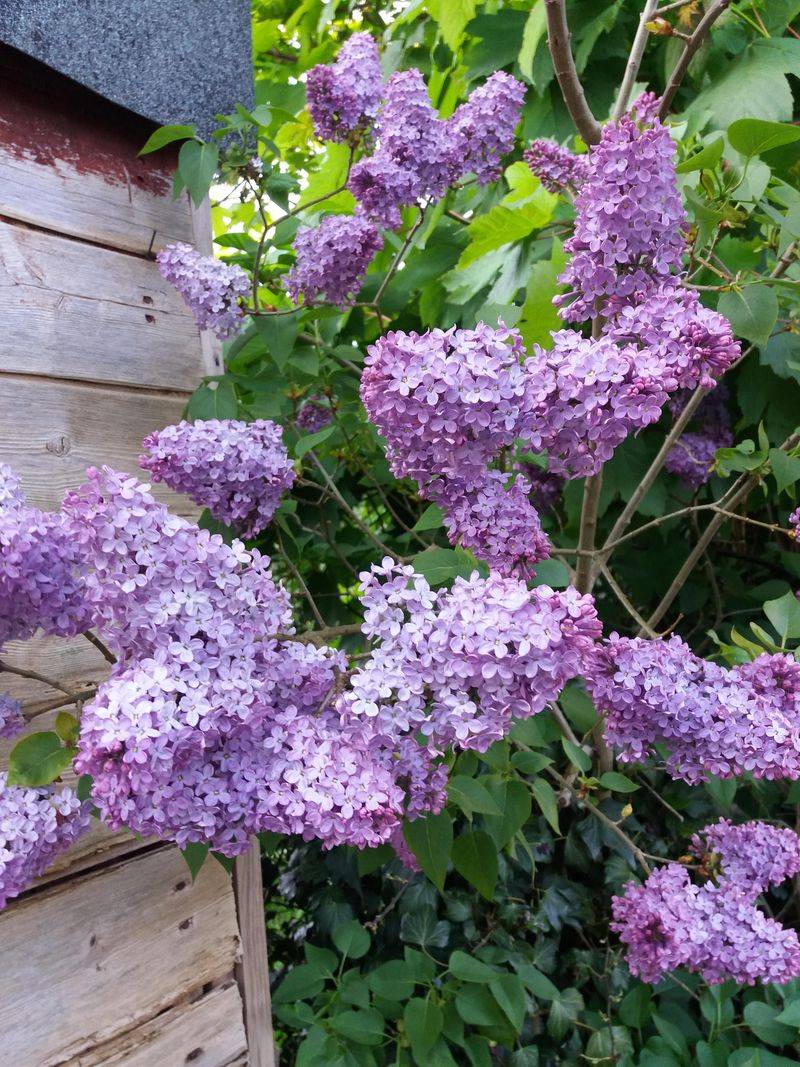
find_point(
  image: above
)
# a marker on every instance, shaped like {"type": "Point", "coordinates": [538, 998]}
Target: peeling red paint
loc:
{"type": "Point", "coordinates": [48, 118]}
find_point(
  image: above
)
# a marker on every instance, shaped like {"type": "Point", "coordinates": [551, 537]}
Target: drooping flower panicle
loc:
{"type": "Point", "coordinates": [343, 97]}
{"type": "Point", "coordinates": [332, 259]}
{"type": "Point", "coordinates": [211, 289]}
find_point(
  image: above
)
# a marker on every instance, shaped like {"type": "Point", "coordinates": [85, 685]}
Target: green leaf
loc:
{"type": "Point", "coordinates": [451, 17]}
{"type": "Point", "coordinates": [370, 859]}
{"type": "Point", "coordinates": [165, 135]}
{"type": "Point", "coordinates": [323, 959]}
{"type": "Point", "coordinates": [423, 1021]}
{"type": "Point", "coordinates": [509, 993]}
{"type": "Point", "coordinates": [514, 800]}
{"type": "Point", "coordinates": [214, 403]}
{"type": "Point", "coordinates": [617, 782]}
{"type": "Point", "coordinates": [535, 29]}
{"type": "Point", "coordinates": [575, 754]}
{"type": "Point", "coordinates": [546, 799]}
{"type": "Point", "coordinates": [752, 313]}
{"type": "Point", "coordinates": [67, 727]}
{"type": "Point", "coordinates": [525, 1057]}
{"type": "Point", "coordinates": [279, 333]}
{"type": "Point", "coordinates": [751, 86]}
{"type": "Point", "coordinates": [351, 939]}
{"type": "Point", "coordinates": [38, 759]}
{"type": "Point", "coordinates": [706, 159]}
{"type": "Point", "coordinates": [471, 795]}
{"type": "Point", "coordinates": [197, 165]}
{"type": "Point", "coordinates": [539, 316]}
{"type": "Point", "coordinates": [477, 1006]}
{"type": "Point", "coordinates": [422, 928]}
{"type": "Point", "coordinates": [392, 980]}
{"type": "Point", "coordinates": [470, 968]}
{"type": "Point", "coordinates": [311, 440]}
{"type": "Point", "coordinates": [301, 983]}
{"type": "Point", "coordinates": [763, 1021]}
{"type": "Point", "coordinates": [752, 137]}
{"type": "Point", "coordinates": [365, 1027]}
{"type": "Point", "coordinates": [475, 859]}
{"type": "Point", "coordinates": [502, 225]}
{"type": "Point", "coordinates": [612, 1044]}
{"type": "Point", "coordinates": [790, 1015]}
{"type": "Point", "coordinates": [195, 854]}
{"type": "Point", "coordinates": [784, 614]}
{"type": "Point", "coordinates": [785, 468]}
{"type": "Point", "coordinates": [563, 1012]}
{"type": "Point", "coordinates": [636, 1007]}
{"type": "Point", "coordinates": [440, 565]}
{"type": "Point", "coordinates": [430, 838]}
{"type": "Point", "coordinates": [430, 519]}
{"type": "Point", "coordinates": [83, 789]}
{"type": "Point", "coordinates": [538, 983]}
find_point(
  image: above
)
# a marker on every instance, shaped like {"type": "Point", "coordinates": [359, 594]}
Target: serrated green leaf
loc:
{"type": "Point", "coordinates": [503, 225]}
{"type": "Point", "coordinates": [535, 29]}
{"type": "Point", "coordinates": [706, 159]}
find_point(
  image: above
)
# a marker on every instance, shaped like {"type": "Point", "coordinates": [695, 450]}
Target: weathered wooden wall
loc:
{"type": "Point", "coordinates": [115, 957]}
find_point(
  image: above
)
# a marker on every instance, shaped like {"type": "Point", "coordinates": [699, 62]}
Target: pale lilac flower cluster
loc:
{"type": "Point", "coordinates": [36, 825]}
{"type": "Point", "coordinates": [456, 666]}
{"type": "Point", "coordinates": [714, 929]}
{"type": "Point", "coordinates": [629, 217]}
{"type": "Point", "coordinates": [495, 519]}
{"type": "Point", "coordinates": [332, 259]}
{"type": "Point", "coordinates": [447, 400]}
{"type": "Point", "coordinates": [313, 416]}
{"type": "Point", "coordinates": [586, 396]}
{"type": "Point", "coordinates": [210, 288]}
{"type": "Point", "coordinates": [343, 97]}
{"type": "Point", "coordinates": [41, 570]}
{"type": "Point", "coordinates": [483, 127]}
{"type": "Point", "coordinates": [556, 168]}
{"type": "Point", "coordinates": [238, 470]}
{"type": "Point", "coordinates": [12, 720]}
{"type": "Point", "coordinates": [713, 720]}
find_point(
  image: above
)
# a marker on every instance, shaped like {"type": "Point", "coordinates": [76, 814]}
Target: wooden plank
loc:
{"type": "Point", "coordinates": [51, 431]}
{"type": "Point", "coordinates": [208, 1032]}
{"type": "Point", "coordinates": [92, 958]}
{"type": "Point", "coordinates": [254, 967]}
{"type": "Point", "coordinates": [69, 163]}
{"type": "Point", "coordinates": [71, 310]}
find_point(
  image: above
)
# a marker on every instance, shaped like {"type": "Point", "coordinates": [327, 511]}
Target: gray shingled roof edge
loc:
{"type": "Point", "coordinates": [168, 60]}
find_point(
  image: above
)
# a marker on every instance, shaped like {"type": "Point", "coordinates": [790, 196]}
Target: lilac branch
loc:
{"type": "Point", "coordinates": [635, 59]}
{"type": "Point", "coordinates": [558, 41]}
{"type": "Point", "coordinates": [689, 49]}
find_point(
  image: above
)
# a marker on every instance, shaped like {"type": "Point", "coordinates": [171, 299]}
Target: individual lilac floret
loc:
{"type": "Point", "coordinates": [483, 127]}
{"type": "Point", "coordinates": [238, 470]}
{"type": "Point", "coordinates": [556, 168]}
{"type": "Point", "coordinates": [446, 401]}
{"type": "Point", "coordinates": [713, 720]}
{"type": "Point", "coordinates": [586, 396]}
{"type": "Point", "coordinates": [36, 825]}
{"type": "Point", "coordinates": [313, 416]}
{"type": "Point", "coordinates": [629, 218]}
{"type": "Point", "coordinates": [715, 931]}
{"type": "Point", "coordinates": [332, 259]}
{"type": "Point", "coordinates": [343, 97]}
{"type": "Point", "coordinates": [456, 666]}
{"type": "Point", "coordinates": [695, 343]}
{"type": "Point", "coordinates": [754, 855]}
{"type": "Point", "coordinates": [12, 720]}
{"type": "Point", "coordinates": [41, 572]}
{"type": "Point", "coordinates": [495, 520]}
{"type": "Point", "coordinates": [210, 288]}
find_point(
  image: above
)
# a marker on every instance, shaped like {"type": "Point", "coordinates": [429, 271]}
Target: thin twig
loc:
{"type": "Point", "coordinates": [558, 41]}
{"type": "Point", "coordinates": [36, 677]}
{"type": "Point", "coordinates": [635, 58]}
{"type": "Point", "coordinates": [623, 599]}
{"type": "Point", "coordinates": [586, 537]}
{"type": "Point", "coordinates": [93, 639]}
{"type": "Point", "coordinates": [340, 500]}
{"type": "Point", "coordinates": [689, 49]}
{"type": "Point", "coordinates": [299, 579]}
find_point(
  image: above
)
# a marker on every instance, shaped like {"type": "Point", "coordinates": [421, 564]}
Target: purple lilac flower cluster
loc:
{"type": "Point", "coordinates": [496, 520]}
{"type": "Point", "coordinates": [629, 217]}
{"type": "Point", "coordinates": [556, 168]}
{"type": "Point", "coordinates": [343, 97]}
{"type": "Point", "coordinates": [36, 825]}
{"type": "Point", "coordinates": [313, 416]}
{"type": "Point", "coordinates": [12, 720]}
{"type": "Point", "coordinates": [714, 720]}
{"type": "Point", "coordinates": [457, 665]}
{"type": "Point", "coordinates": [41, 580]}
{"type": "Point", "coordinates": [237, 470]}
{"type": "Point", "coordinates": [483, 127]}
{"type": "Point", "coordinates": [794, 522]}
{"type": "Point", "coordinates": [692, 457]}
{"type": "Point", "coordinates": [714, 929]}
{"type": "Point", "coordinates": [332, 259]}
{"type": "Point", "coordinates": [211, 289]}
{"type": "Point", "coordinates": [546, 485]}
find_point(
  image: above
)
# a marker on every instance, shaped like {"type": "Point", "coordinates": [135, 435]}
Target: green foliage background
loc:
{"type": "Point", "coordinates": [500, 951]}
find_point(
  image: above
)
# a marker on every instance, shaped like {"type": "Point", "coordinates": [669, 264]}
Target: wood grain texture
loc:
{"type": "Point", "coordinates": [208, 1032]}
{"type": "Point", "coordinates": [71, 310]}
{"type": "Point", "coordinates": [254, 965]}
{"type": "Point", "coordinates": [51, 431]}
{"type": "Point", "coordinates": [92, 958]}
